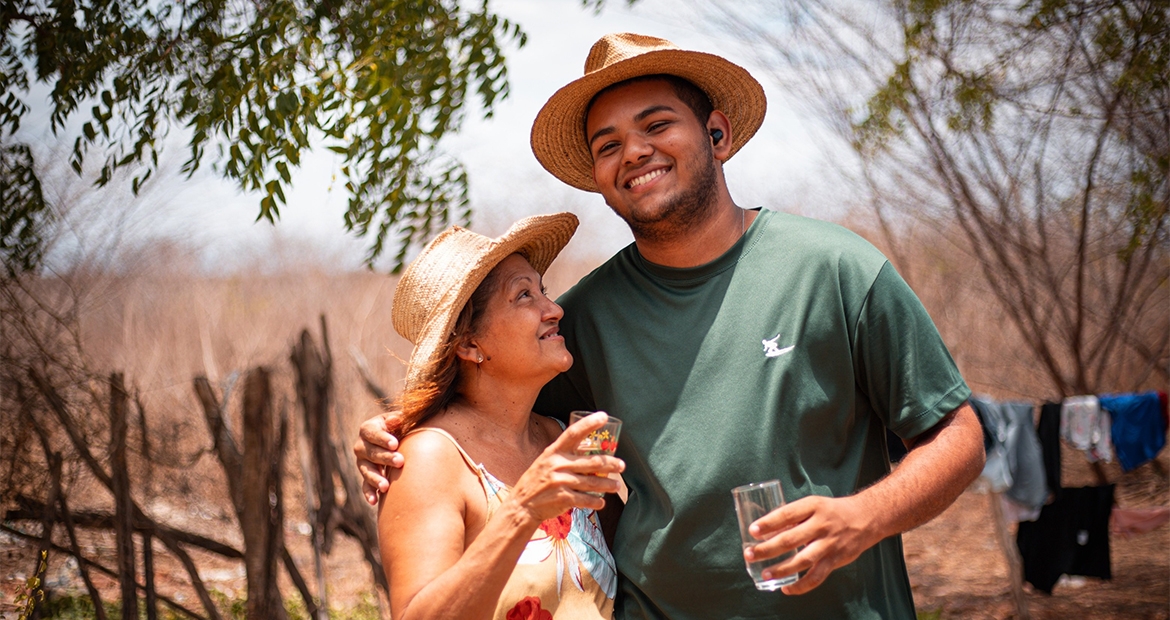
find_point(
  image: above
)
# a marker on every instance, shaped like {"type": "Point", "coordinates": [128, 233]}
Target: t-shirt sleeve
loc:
{"type": "Point", "coordinates": [900, 360]}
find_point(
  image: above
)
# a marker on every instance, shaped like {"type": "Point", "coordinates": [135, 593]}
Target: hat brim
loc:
{"type": "Point", "coordinates": [558, 133]}
{"type": "Point", "coordinates": [538, 238]}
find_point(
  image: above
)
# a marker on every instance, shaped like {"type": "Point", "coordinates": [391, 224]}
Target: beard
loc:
{"type": "Point", "coordinates": [683, 212]}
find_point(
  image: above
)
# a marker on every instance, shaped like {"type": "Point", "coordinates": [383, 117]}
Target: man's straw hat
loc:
{"type": "Point", "coordinates": [435, 287]}
{"type": "Point", "coordinates": [558, 134]}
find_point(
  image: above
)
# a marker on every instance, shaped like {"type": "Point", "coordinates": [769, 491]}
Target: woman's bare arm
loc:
{"type": "Point", "coordinates": [422, 523]}
{"type": "Point", "coordinates": [421, 532]}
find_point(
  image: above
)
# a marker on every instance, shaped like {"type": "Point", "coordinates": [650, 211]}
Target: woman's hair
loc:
{"type": "Point", "coordinates": [422, 402]}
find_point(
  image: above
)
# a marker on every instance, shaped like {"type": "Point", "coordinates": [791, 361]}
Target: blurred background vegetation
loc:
{"type": "Point", "coordinates": [1010, 157]}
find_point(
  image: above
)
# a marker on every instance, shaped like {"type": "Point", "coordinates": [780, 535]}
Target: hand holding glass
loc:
{"type": "Point", "coordinates": [601, 441]}
{"type": "Point", "coordinates": [753, 501]}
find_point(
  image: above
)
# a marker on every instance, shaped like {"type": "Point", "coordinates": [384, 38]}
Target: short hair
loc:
{"type": "Point", "coordinates": [693, 96]}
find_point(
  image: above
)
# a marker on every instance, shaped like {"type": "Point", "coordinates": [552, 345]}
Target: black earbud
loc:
{"type": "Point", "coordinates": [716, 135]}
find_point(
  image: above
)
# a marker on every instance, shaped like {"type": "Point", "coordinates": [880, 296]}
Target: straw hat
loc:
{"type": "Point", "coordinates": [435, 287]}
{"type": "Point", "coordinates": [558, 134]}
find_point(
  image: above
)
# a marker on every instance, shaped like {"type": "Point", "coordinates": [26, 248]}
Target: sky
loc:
{"type": "Point", "coordinates": [783, 166]}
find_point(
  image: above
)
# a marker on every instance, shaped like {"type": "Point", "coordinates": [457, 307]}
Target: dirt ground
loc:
{"type": "Point", "coordinates": [956, 568]}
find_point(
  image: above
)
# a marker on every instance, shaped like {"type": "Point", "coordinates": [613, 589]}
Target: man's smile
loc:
{"type": "Point", "coordinates": [646, 178]}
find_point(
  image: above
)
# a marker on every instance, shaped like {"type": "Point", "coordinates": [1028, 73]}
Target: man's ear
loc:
{"type": "Point", "coordinates": [718, 126]}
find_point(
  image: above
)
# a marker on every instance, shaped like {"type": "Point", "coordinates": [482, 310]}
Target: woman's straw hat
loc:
{"type": "Point", "coordinates": [558, 134]}
{"type": "Point", "coordinates": [435, 287]}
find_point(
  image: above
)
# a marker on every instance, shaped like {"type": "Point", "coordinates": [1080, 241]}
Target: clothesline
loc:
{"type": "Point", "coordinates": [1066, 530]}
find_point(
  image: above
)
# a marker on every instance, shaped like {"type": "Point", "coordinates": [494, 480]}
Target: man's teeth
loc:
{"type": "Point", "coordinates": [646, 178]}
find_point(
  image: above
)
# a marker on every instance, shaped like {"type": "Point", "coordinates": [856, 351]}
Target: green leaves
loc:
{"type": "Point", "coordinates": [23, 210]}
{"type": "Point", "coordinates": [378, 83]}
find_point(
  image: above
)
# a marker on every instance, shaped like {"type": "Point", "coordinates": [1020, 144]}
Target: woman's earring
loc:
{"type": "Point", "coordinates": [479, 358]}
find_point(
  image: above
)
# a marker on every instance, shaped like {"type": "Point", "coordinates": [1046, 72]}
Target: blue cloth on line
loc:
{"type": "Point", "coordinates": [1138, 429]}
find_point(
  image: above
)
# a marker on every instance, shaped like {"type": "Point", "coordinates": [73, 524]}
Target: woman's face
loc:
{"type": "Point", "coordinates": [518, 336]}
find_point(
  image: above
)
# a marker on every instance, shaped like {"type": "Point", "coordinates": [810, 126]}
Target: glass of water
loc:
{"type": "Point", "coordinates": [753, 501]}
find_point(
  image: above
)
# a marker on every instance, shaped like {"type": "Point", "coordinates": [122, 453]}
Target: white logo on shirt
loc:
{"type": "Point", "coordinates": [771, 350]}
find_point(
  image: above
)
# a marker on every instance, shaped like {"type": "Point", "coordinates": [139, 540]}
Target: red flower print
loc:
{"type": "Point", "coordinates": [528, 609]}
{"type": "Point", "coordinates": [558, 527]}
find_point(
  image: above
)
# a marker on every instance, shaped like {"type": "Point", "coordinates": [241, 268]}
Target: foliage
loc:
{"type": "Point", "coordinates": [260, 83]}
{"type": "Point", "coordinates": [23, 210]}
{"type": "Point", "coordinates": [365, 609]}
{"type": "Point", "coordinates": [1034, 134]}
{"type": "Point", "coordinates": [80, 607]}
{"type": "Point", "coordinates": [27, 600]}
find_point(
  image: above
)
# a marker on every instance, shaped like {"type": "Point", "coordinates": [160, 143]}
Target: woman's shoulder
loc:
{"type": "Point", "coordinates": [432, 457]}
{"type": "Point", "coordinates": [431, 443]}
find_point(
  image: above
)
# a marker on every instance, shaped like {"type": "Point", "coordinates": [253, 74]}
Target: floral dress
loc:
{"type": "Point", "coordinates": [565, 572]}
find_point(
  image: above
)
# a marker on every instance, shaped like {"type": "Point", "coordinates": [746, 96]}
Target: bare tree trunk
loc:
{"type": "Point", "coordinates": [1010, 554]}
{"type": "Point", "coordinates": [48, 521]}
{"type": "Point", "coordinates": [314, 390]}
{"type": "Point", "coordinates": [314, 387]}
{"type": "Point", "coordinates": [226, 448]}
{"type": "Point", "coordinates": [54, 461]}
{"type": "Point", "coordinates": [311, 503]}
{"type": "Point", "coordinates": [148, 575]}
{"type": "Point", "coordinates": [94, 595]}
{"type": "Point", "coordinates": [148, 462]}
{"type": "Point", "coordinates": [263, 513]}
{"type": "Point", "coordinates": [170, 538]}
{"type": "Point", "coordinates": [123, 501]}
{"type": "Point", "coordinates": [228, 452]}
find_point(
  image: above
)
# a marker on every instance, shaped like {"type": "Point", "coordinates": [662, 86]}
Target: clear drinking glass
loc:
{"type": "Point", "coordinates": [753, 501]}
{"type": "Point", "coordinates": [601, 441]}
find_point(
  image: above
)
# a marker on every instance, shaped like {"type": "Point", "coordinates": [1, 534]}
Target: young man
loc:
{"type": "Point", "coordinates": [739, 346]}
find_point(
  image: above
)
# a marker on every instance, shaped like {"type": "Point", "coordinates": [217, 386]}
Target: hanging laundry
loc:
{"type": "Point", "coordinates": [1015, 463]}
{"type": "Point", "coordinates": [996, 472]}
{"type": "Point", "coordinates": [1015, 512]}
{"type": "Point", "coordinates": [1164, 400]}
{"type": "Point", "coordinates": [1048, 432]}
{"type": "Point", "coordinates": [1139, 431]}
{"type": "Point", "coordinates": [1071, 537]}
{"type": "Point", "coordinates": [1086, 427]}
{"type": "Point", "coordinates": [1131, 521]}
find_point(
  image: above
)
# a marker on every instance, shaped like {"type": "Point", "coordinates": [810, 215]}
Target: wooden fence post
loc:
{"type": "Point", "coordinates": [123, 501]}
{"type": "Point", "coordinates": [263, 515]}
{"type": "Point", "coordinates": [227, 450]}
{"type": "Point", "coordinates": [353, 517]}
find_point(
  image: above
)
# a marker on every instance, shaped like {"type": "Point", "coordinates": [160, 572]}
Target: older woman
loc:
{"type": "Point", "coordinates": [493, 516]}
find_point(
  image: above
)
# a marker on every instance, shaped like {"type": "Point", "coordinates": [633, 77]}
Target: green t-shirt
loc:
{"type": "Point", "coordinates": [787, 357]}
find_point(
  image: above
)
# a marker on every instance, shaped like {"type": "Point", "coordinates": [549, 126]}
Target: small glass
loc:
{"type": "Point", "coordinates": [601, 441]}
{"type": "Point", "coordinates": [753, 501]}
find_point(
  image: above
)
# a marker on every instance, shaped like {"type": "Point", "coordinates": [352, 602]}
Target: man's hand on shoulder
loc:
{"type": "Point", "coordinates": [375, 449]}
